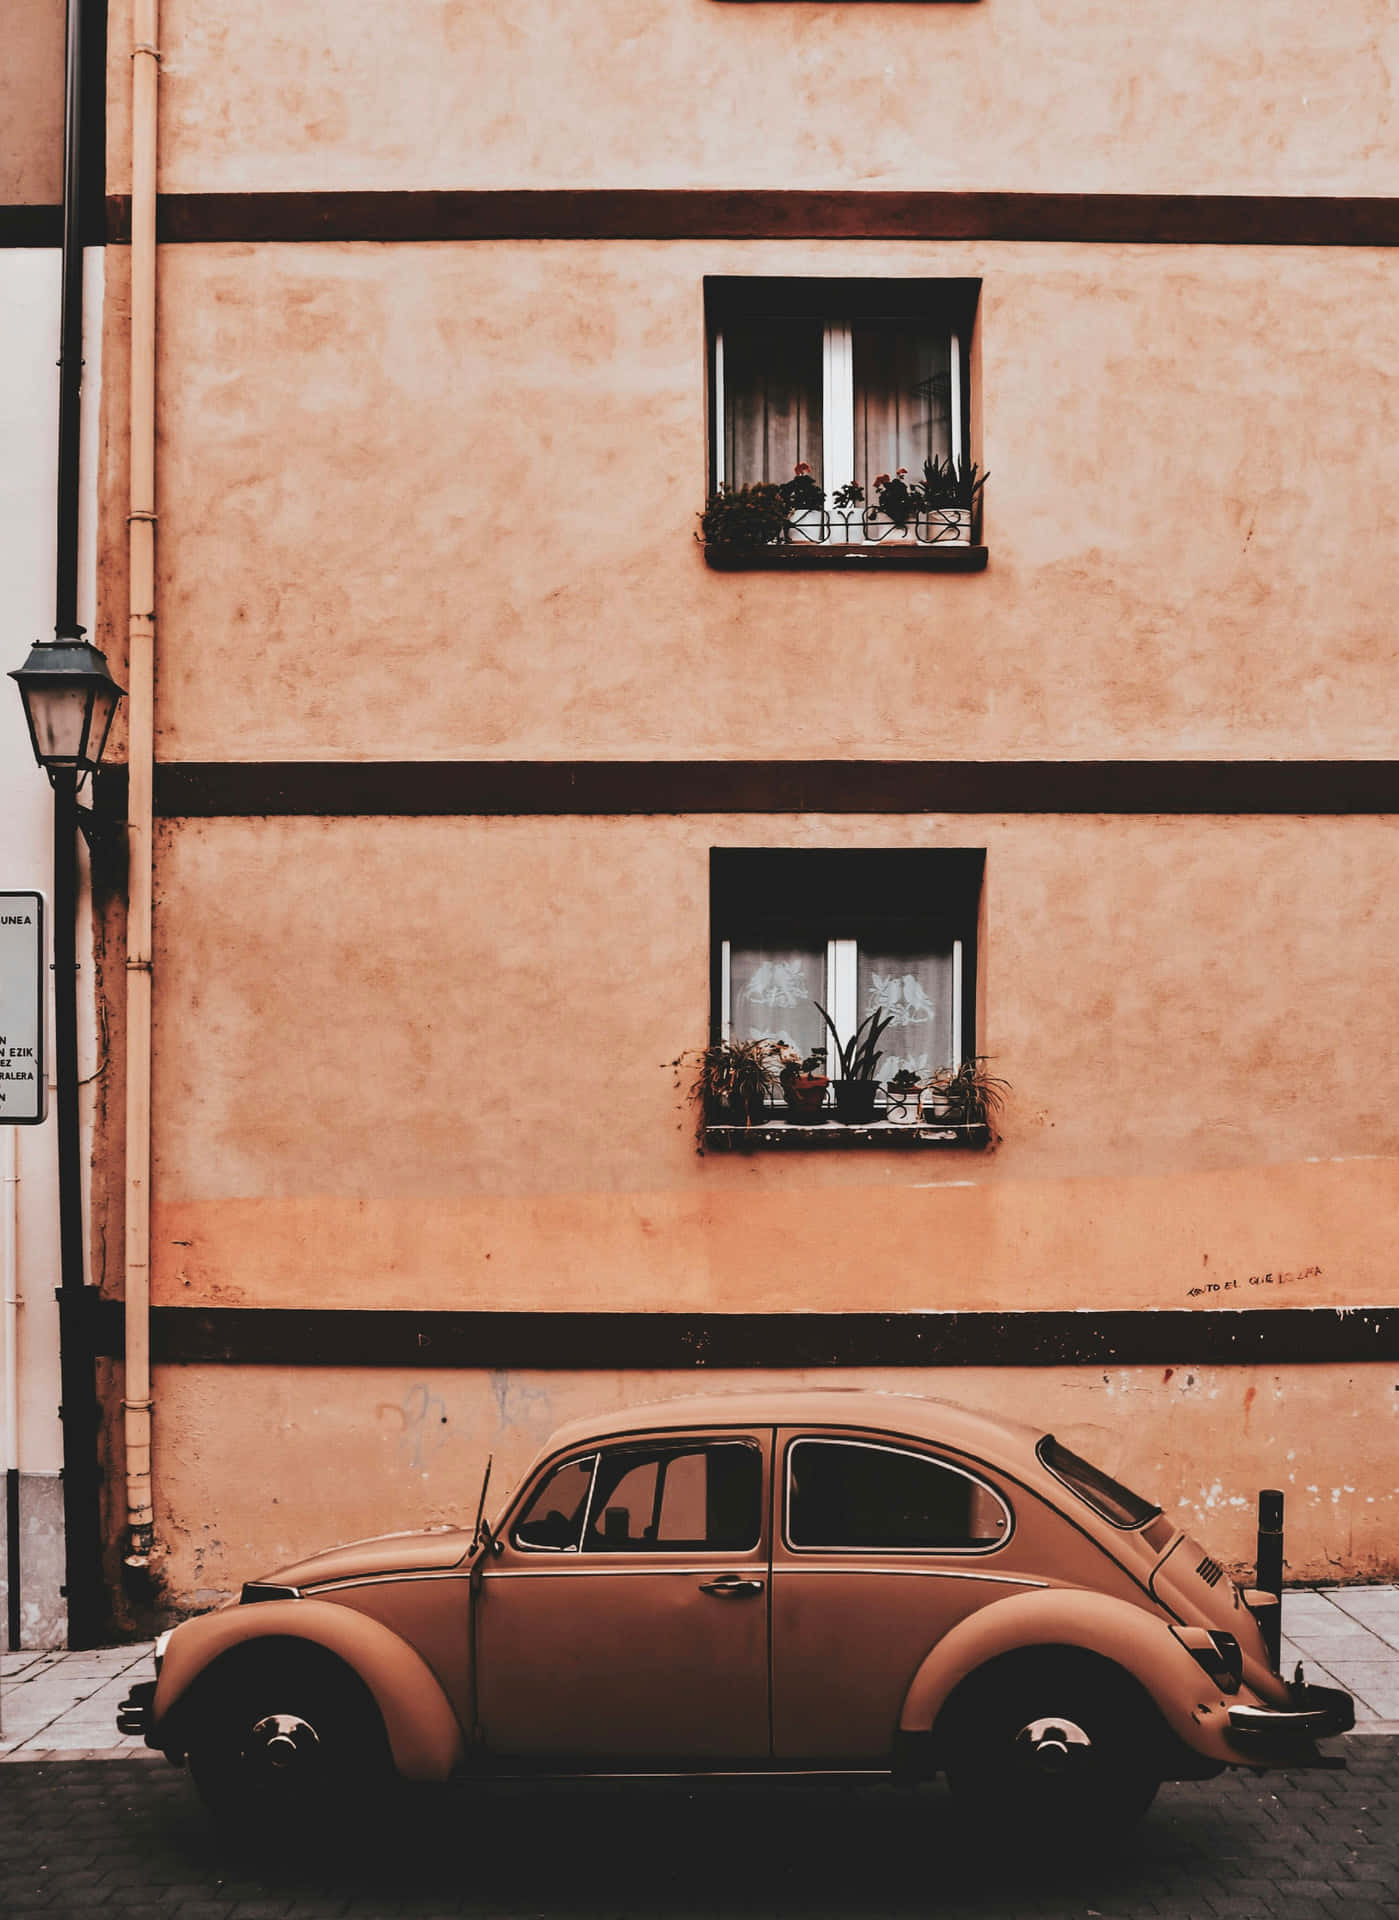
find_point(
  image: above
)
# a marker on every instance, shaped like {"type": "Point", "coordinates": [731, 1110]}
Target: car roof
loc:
{"type": "Point", "coordinates": [919, 1416]}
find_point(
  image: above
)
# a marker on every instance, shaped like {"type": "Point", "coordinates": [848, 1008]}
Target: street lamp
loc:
{"type": "Point", "coordinates": [69, 699]}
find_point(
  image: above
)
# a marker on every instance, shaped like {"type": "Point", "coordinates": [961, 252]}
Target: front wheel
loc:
{"type": "Point", "coordinates": [282, 1744]}
{"type": "Point", "coordinates": [1057, 1745]}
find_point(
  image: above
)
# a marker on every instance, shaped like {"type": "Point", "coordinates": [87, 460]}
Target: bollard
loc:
{"type": "Point", "coordinates": [1270, 1567]}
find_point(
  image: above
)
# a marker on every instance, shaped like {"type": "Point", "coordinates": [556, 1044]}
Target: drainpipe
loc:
{"type": "Point", "coordinates": [145, 68]}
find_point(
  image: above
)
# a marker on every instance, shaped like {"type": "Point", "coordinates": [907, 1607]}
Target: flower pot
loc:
{"type": "Point", "coordinates": [807, 528]}
{"type": "Point", "coordinates": [902, 1105]}
{"type": "Point", "coordinates": [936, 1107]}
{"type": "Point", "coordinates": [945, 526]}
{"type": "Point", "coordinates": [855, 1101]}
{"type": "Point", "coordinates": [805, 1095]}
{"type": "Point", "coordinates": [745, 1109]}
{"type": "Point", "coordinates": [878, 528]}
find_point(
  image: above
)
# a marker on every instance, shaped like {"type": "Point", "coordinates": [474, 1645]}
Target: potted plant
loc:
{"type": "Point", "coordinates": [806, 505]}
{"type": "Point", "coordinates": [967, 1095]}
{"type": "Point", "coordinates": [896, 506]}
{"type": "Point", "coordinates": [845, 500]}
{"type": "Point", "coordinates": [733, 1079]}
{"type": "Point", "coordinates": [949, 497]}
{"type": "Point", "coordinates": [743, 519]}
{"type": "Point", "coordinates": [804, 1085]}
{"type": "Point", "coordinates": [857, 1089]}
{"type": "Point", "coordinates": [901, 1094]}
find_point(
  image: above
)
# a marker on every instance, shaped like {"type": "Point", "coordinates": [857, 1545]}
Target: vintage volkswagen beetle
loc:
{"type": "Point", "coordinates": [766, 1582]}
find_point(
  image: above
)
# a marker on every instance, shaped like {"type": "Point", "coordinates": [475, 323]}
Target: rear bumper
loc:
{"type": "Point", "coordinates": [136, 1714]}
{"type": "Point", "coordinates": [1284, 1736]}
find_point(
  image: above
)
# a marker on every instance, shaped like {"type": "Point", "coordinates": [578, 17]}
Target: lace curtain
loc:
{"type": "Point", "coordinates": [916, 988]}
{"type": "Point", "coordinates": [772, 995]}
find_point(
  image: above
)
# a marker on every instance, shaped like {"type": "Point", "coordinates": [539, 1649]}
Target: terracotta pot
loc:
{"type": "Point", "coordinates": [806, 1097]}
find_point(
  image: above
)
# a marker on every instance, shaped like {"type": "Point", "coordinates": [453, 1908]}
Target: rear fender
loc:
{"type": "Point", "coordinates": [1138, 1642]}
{"type": "Point", "coordinates": [424, 1735]}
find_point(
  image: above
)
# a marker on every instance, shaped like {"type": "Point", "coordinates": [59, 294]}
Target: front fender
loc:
{"type": "Point", "coordinates": [1138, 1642]}
{"type": "Point", "coordinates": [424, 1735]}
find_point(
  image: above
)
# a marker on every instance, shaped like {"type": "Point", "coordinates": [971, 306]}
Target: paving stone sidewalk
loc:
{"type": "Point", "coordinates": [65, 1704]}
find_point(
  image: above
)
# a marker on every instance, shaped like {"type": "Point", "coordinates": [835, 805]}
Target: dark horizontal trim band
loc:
{"type": "Point", "coordinates": [210, 790]}
{"type": "Point", "coordinates": [585, 1342]}
{"type": "Point", "coordinates": [31, 226]}
{"type": "Point", "coordinates": [1154, 219]}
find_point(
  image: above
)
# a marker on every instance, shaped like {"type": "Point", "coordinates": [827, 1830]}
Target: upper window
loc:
{"type": "Point", "coordinates": [856, 933]}
{"type": "Point", "coordinates": [843, 1493]}
{"type": "Point", "coordinates": [851, 396]}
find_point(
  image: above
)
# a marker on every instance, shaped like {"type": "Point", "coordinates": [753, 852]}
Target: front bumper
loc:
{"type": "Point", "coordinates": [1285, 1736]}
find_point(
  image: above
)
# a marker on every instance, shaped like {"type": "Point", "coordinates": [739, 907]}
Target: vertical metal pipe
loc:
{"type": "Point", "coordinates": [70, 354]}
{"type": "Point", "coordinates": [140, 1513]}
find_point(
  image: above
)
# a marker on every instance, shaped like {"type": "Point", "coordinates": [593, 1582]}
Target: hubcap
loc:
{"type": "Point", "coordinates": [1050, 1746]}
{"type": "Point", "coordinates": [282, 1744]}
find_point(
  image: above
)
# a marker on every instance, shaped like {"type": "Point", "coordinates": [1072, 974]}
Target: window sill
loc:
{"type": "Point", "coordinates": [839, 558]}
{"type": "Point", "coordinates": [803, 1136]}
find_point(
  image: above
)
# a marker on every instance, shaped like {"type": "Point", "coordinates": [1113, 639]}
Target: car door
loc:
{"type": "Point", "coordinates": [882, 1547]}
{"type": "Point", "coordinates": [626, 1614]}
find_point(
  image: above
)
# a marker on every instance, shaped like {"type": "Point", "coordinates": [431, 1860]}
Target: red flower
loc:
{"type": "Point", "coordinates": [881, 479]}
{"type": "Point", "coordinates": [801, 467]}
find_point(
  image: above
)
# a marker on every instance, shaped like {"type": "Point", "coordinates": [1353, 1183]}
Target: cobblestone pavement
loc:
{"type": "Point", "coordinates": [129, 1836]}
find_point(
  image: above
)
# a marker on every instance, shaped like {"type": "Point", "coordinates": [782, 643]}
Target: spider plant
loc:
{"type": "Point", "coordinates": [859, 1056]}
{"type": "Point", "coordinates": [972, 1094]}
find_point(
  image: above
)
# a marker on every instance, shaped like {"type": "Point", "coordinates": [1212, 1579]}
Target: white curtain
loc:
{"type": "Point", "coordinates": [916, 988]}
{"type": "Point", "coordinates": [772, 399]}
{"type": "Point", "coordinates": [772, 995]}
{"type": "Point", "coordinates": [903, 390]}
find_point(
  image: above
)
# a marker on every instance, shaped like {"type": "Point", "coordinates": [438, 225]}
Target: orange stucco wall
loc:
{"type": "Point", "coordinates": [31, 103]}
{"type": "Point", "coordinates": [1007, 94]}
{"type": "Point", "coordinates": [265, 1463]}
{"type": "Point", "coordinates": [426, 1063]}
{"type": "Point", "coordinates": [437, 502]}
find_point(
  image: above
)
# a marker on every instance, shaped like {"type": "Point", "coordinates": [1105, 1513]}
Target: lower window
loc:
{"type": "Point", "coordinates": [800, 935]}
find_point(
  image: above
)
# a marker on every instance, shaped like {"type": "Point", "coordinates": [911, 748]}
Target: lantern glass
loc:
{"type": "Point", "coordinates": [69, 699]}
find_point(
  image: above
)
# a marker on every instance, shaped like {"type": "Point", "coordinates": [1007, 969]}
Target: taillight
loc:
{"type": "Point", "coordinates": [1218, 1653]}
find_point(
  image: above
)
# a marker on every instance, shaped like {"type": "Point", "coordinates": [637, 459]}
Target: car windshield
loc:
{"type": "Point", "coordinates": [1106, 1496]}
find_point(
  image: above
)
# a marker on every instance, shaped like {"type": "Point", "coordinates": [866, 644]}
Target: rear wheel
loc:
{"type": "Point", "coordinates": [283, 1741]}
{"type": "Point", "coordinates": [1059, 1744]}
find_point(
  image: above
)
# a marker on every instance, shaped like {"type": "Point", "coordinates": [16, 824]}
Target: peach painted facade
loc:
{"type": "Point", "coordinates": [434, 502]}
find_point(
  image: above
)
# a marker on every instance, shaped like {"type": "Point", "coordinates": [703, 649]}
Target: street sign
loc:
{"type": "Point", "coordinates": [22, 1078]}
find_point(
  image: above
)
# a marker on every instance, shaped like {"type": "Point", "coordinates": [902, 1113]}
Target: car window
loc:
{"type": "Point", "coordinates": [1097, 1489]}
{"type": "Point", "coordinates": [668, 1499]}
{"type": "Point", "coordinates": [553, 1519]}
{"type": "Point", "coordinates": [855, 1494]}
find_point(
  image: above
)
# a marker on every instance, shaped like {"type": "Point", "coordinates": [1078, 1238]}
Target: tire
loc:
{"type": "Point", "coordinates": [282, 1743]}
{"type": "Point", "coordinates": [1058, 1746]}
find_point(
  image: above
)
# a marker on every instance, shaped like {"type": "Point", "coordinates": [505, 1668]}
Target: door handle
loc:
{"type": "Point", "coordinates": [731, 1583]}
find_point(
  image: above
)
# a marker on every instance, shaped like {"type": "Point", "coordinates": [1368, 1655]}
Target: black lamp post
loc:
{"type": "Point", "coordinates": [69, 699]}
